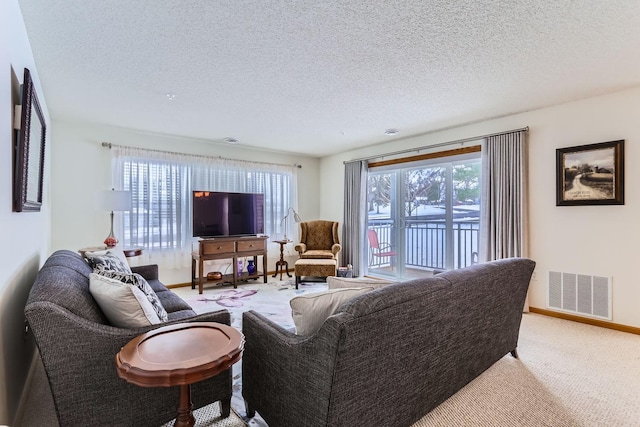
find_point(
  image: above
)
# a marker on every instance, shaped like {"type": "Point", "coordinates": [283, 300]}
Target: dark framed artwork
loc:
{"type": "Point", "coordinates": [590, 174]}
{"type": "Point", "coordinates": [29, 150]}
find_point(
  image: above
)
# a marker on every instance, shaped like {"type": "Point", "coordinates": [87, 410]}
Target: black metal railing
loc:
{"type": "Point", "coordinates": [426, 242]}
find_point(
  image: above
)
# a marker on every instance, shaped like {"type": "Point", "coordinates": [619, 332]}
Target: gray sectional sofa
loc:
{"type": "Point", "coordinates": [389, 356]}
{"type": "Point", "coordinates": [78, 348]}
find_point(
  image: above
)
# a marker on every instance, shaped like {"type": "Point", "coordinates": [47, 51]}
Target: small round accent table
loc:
{"type": "Point", "coordinates": [128, 252]}
{"type": "Point", "coordinates": [180, 355]}
{"type": "Point", "coordinates": [282, 266]}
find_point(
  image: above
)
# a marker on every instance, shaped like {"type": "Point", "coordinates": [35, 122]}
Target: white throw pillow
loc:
{"type": "Point", "coordinates": [139, 282]}
{"type": "Point", "coordinates": [310, 311]}
{"type": "Point", "coordinates": [124, 305]}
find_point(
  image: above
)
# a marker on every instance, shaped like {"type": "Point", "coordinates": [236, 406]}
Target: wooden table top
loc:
{"type": "Point", "coordinates": [128, 252]}
{"type": "Point", "coordinates": [179, 354]}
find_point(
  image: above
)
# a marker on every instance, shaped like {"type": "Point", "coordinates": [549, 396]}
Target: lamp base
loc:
{"type": "Point", "coordinates": [111, 241]}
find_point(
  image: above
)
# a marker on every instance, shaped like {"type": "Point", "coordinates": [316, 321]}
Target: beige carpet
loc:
{"type": "Point", "coordinates": [568, 374]}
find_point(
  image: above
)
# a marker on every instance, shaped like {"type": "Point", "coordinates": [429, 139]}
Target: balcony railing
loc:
{"type": "Point", "coordinates": [426, 243]}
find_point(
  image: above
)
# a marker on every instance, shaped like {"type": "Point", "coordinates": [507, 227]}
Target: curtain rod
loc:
{"type": "Point", "coordinates": [109, 145]}
{"type": "Point", "coordinates": [441, 144]}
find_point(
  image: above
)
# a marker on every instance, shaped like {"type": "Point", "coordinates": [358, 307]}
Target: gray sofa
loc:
{"type": "Point", "coordinates": [78, 348]}
{"type": "Point", "coordinates": [389, 356]}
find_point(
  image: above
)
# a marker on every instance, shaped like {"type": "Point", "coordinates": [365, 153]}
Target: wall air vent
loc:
{"type": "Point", "coordinates": [579, 294]}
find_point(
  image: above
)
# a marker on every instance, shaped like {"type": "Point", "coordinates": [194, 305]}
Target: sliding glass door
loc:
{"type": "Point", "coordinates": [423, 216]}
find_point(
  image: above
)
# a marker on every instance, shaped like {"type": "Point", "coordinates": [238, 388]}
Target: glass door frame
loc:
{"type": "Point", "coordinates": [397, 211]}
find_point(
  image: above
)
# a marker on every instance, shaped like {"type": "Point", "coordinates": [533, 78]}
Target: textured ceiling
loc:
{"type": "Point", "coordinates": [320, 77]}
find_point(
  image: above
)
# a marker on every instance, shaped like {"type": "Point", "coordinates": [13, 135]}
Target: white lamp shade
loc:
{"type": "Point", "coordinates": [114, 200]}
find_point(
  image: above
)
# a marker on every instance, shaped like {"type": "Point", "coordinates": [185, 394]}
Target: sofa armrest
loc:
{"type": "Point", "coordinates": [149, 272]}
{"type": "Point", "coordinates": [79, 360]}
{"type": "Point", "coordinates": [301, 248]}
{"type": "Point", "coordinates": [299, 368]}
{"type": "Point", "coordinates": [335, 248]}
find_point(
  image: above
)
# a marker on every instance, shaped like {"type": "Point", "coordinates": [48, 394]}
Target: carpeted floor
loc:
{"type": "Point", "coordinates": [568, 375]}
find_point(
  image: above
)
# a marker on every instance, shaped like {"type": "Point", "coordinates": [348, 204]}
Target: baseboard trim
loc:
{"type": "Point", "coordinates": [588, 321]}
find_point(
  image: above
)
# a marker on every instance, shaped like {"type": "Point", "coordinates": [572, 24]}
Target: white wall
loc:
{"type": "Point", "coordinates": [81, 167]}
{"type": "Point", "coordinates": [597, 240]}
{"type": "Point", "coordinates": [24, 236]}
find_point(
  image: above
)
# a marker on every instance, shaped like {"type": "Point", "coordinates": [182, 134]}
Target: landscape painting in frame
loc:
{"type": "Point", "coordinates": [590, 174]}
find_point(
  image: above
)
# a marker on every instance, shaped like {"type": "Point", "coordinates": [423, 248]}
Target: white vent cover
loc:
{"type": "Point", "coordinates": [579, 294]}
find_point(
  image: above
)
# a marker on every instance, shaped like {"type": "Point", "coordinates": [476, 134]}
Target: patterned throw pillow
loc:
{"type": "Point", "coordinates": [108, 261]}
{"type": "Point", "coordinates": [139, 282]}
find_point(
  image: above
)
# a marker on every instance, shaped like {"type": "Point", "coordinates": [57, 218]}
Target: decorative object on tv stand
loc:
{"type": "Point", "coordinates": [284, 223]}
{"type": "Point", "coordinates": [251, 268]}
{"type": "Point", "coordinates": [114, 201]}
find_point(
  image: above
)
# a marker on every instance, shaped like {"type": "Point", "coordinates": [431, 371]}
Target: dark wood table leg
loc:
{"type": "Point", "coordinates": [286, 266]}
{"type": "Point", "coordinates": [264, 267]}
{"type": "Point", "coordinates": [193, 273]}
{"type": "Point", "coordinates": [200, 275]}
{"type": "Point", "coordinates": [282, 266]}
{"type": "Point", "coordinates": [185, 416]}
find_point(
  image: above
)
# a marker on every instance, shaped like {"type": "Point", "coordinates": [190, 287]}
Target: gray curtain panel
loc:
{"type": "Point", "coordinates": [353, 225]}
{"type": "Point", "coordinates": [503, 215]}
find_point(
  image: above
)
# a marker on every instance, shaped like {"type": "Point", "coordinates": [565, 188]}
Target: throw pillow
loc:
{"type": "Point", "coordinates": [124, 305]}
{"type": "Point", "coordinates": [310, 311]}
{"type": "Point", "coordinates": [110, 260]}
{"type": "Point", "coordinates": [139, 282]}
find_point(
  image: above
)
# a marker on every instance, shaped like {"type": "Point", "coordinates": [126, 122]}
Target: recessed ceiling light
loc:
{"type": "Point", "coordinates": [230, 140]}
{"type": "Point", "coordinates": [391, 131]}
{"type": "Point", "coordinates": [171, 96]}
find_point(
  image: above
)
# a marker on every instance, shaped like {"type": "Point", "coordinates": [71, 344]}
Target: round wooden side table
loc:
{"type": "Point", "coordinates": [282, 266]}
{"type": "Point", "coordinates": [128, 252]}
{"type": "Point", "coordinates": [180, 355]}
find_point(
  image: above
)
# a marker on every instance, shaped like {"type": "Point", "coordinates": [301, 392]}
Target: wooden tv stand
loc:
{"type": "Point", "coordinates": [224, 248]}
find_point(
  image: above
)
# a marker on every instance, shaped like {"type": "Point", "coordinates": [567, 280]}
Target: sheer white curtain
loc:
{"type": "Point", "coordinates": [161, 184]}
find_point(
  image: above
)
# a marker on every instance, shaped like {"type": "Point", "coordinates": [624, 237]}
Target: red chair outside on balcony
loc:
{"type": "Point", "coordinates": [378, 251]}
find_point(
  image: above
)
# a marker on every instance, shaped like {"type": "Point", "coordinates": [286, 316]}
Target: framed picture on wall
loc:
{"type": "Point", "coordinates": [590, 174]}
{"type": "Point", "coordinates": [29, 150]}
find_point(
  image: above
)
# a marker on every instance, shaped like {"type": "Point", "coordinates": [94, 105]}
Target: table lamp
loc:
{"type": "Point", "coordinates": [114, 201]}
{"type": "Point", "coordinates": [285, 221]}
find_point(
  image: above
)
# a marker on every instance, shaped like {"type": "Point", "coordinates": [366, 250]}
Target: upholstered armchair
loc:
{"type": "Point", "coordinates": [319, 240]}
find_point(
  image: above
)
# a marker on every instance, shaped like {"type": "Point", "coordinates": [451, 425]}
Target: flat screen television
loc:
{"type": "Point", "coordinates": [218, 214]}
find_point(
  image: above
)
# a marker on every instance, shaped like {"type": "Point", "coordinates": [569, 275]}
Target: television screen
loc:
{"type": "Point", "coordinates": [217, 213]}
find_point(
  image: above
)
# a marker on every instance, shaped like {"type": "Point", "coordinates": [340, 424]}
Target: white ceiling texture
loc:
{"type": "Point", "coordinates": [320, 77]}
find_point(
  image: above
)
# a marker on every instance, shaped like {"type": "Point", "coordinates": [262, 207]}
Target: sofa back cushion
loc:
{"type": "Point", "coordinates": [432, 336]}
{"type": "Point", "coordinates": [63, 280]}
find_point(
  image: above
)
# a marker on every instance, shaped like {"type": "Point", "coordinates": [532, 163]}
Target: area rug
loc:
{"type": "Point", "coordinates": [210, 416]}
{"type": "Point", "coordinates": [269, 299]}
